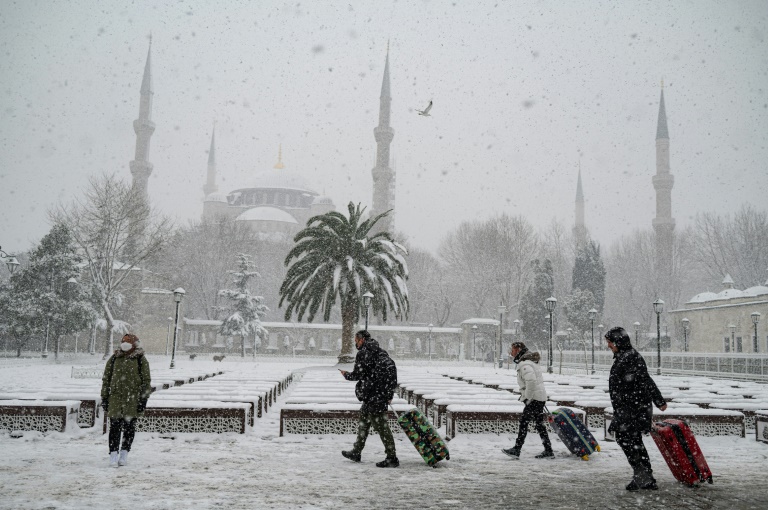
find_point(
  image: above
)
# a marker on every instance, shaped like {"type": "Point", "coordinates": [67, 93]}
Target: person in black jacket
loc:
{"type": "Point", "coordinates": [632, 393]}
{"type": "Point", "coordinates": [377, 379]}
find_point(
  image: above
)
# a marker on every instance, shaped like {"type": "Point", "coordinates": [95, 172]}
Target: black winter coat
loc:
{"type": "Point", "coordinates": [632, 392]}
{"type": "Point", "coordinates": [376, 385]}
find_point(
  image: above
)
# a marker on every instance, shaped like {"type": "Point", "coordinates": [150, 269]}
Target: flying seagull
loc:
{"type": "Point", "coordinates": [425, 111]}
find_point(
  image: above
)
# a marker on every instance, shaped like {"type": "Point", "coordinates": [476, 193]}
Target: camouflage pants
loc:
{"type": "Point", "coordinates": [380, 425]}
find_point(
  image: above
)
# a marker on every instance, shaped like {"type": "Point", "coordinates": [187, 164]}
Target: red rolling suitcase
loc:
{"type": "Point", "coordinates": [680, 449]}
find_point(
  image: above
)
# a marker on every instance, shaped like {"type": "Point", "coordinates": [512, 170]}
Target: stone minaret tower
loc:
{"type": "Point", "coordinates": [663, 181]}
{"type": "Point", "coordinates": [141, 168]}
{"type": "Point", "coordinates": [210, 183]}
{"type": "Point", "coordinates": [383, 175]}
{"type": "Point", "coordinates": [579, 227]}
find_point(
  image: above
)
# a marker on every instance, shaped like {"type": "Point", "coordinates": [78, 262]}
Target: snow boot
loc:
{"type": "Point", "coordinates": [355, 457]}
{"type": "Point", "coordinates": [546, 454]}
{"type": "Point", "coordinates": [113, 459]}
{"type": "Point", "coordinates": [123, 460]}
{"type": "Point", "coordinates": [513, 452]}
{"type": "Point", "coordinates": [632, 486]}
{"type": "Point", "coordinates": [388, 462]}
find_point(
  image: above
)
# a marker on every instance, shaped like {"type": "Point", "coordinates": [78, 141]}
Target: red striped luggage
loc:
{"type": "Point", "coordinates": [680, 449]}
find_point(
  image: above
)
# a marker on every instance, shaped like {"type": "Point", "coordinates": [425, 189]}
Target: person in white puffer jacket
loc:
{"type": "Point", "coordinates": [534, 395]}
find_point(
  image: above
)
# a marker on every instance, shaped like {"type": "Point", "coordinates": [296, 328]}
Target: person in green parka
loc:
{"type": "Point", "coordinates": [125, 389]}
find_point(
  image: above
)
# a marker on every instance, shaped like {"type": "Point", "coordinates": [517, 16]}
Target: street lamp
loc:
{"type": "Point", "coordinates": [570, 331]}
{"type": "Point", "coordinates": [474, 334]}
{"type": "Point", "coordinates": [430, 340]}
{"type": "Point", "coordinates": [755, 319]}
{"type": "Point", "coordinates": [11, 262]}
{"type": "Point", "coordinates": [658, 307]}
{"type": "Point", "coordinates": [600, 329]}
{"type": "Point", "coordinates": [637, 333]}
{"type": "Point", "coordinates": [550, 303]}
{"type": "Point", "coordinates": [501, 310]}
{"type": "Point", "coordinates": [178, 294]}
{"type": "Point", "coordinates": [367, 297]}
{"type": "Point", "coordinates": [732, 327]}
{"type": "Point", "coordinates": [592, 314]}
{"type": "Point", "coordinates": [686, 325]}
{"type": "Point", "coordinates": [168, 336]}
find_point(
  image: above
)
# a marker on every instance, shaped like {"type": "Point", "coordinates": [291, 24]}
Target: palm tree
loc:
{"type": "Point", "coordinates": [336, 258]}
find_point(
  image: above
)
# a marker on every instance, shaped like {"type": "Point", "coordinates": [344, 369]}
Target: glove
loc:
{"type": "Point", "coordinates": [105, 404]}
{"type": "Point", "coordinates": [142, 405]}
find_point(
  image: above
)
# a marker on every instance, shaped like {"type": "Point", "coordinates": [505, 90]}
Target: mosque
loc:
{"type": "Point", "coordinates": [279, 200]}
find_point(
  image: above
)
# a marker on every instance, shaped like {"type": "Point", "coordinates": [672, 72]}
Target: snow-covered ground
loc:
{"type": "Point", "coordinates": [262, 470]}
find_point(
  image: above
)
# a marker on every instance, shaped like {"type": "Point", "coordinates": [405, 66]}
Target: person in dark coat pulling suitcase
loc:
{"type": "Point", "coordinates": [376, 374]}
{"type": "Point", "coordinates": [534, 395]}
{"type": "Point", "coordinates": [632, 394]}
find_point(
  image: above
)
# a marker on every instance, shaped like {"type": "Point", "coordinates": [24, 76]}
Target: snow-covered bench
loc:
{"type": "Point", "coordinates": [436, 406]}
{"type": "Point", "coordinates": [761, 425]}
{"type": "Point", "coordinates": [332, 418]}
{"type": "Point", "coordinates": [490, 419]}
{"type": "Point", "coordinates": [39, 415]}
{"type": "Point", "coordinates": [703, 422]}
{"type": "Point", "coordinates": [744, 406]}
{"type": "Point", "coordinates": [89, 404]}
{"type": "Point", "coordinates": [168, 416]}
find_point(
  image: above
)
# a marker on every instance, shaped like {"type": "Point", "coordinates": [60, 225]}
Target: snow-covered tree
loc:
{"type": "Point", "coordinates": [244, 311]}
{"type": "Point", "coordinates": [116, 231]}
{"type": "Point", "coordinates": [576, 307]}
{"type": "Point", "coordinates": [18, 320]}
{"type": "Point", "coordinates": [589, 274]}
{"type": "Point", "coordinates": [532, 307]}
{"type": "Point", "coordinates": [336, 258]}
{"type": "Point", "coordinates": [51, 298]}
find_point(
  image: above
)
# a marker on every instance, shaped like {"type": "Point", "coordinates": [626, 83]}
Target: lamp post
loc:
{"type": "Point", "coordinates": [10, 261]}
{"type": "Point", "coordinates": [732, 327]}
{"type": "Point", "coordinates": [550, 303]}
{"type": "Point", "coordinates": [474, 335]}
{"type": "Point", "coordinates": [429, 346]}
{"type": "Point", "coordinates": [658, 307]}
{"type": "Point", "coordinates": [592, 314]}
{"type": "Point", "coordinates": [686, 323]}
{"type": "Point", "coordinates": [755, 319]}
{"type": "Point", "coordinates": [570, 331]}
{"type": "Point", "coordinates": [501, 309]}
{"type": "Point", "coordinates": [168, 337]}
{"type": "Point", "coordinates": [367, 297]}
{"type": "Point", "coordinates": [600, 329]}
{"type": "Point", "coordinates": [637, 332]}
{"type": "Point", "coordinates": [178, 294]}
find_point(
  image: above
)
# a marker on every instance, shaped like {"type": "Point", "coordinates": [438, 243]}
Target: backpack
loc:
{"type": "Point", "coordinates": [384, 377]}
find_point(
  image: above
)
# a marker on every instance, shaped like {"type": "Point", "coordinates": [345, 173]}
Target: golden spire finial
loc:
{"type": "Point", "coordinates": [279, 165]}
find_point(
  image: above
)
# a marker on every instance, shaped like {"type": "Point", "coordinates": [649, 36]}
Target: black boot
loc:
{"type": "Point", "coordinates": [388, 462]}
{"type": "Point", "coordinates": [632, 486]}
{"type": "Point", "coordinates": [351, 455]}
{"type": "Point", "coordinates": [513, 452]}
{"type": "Point", "coordinates": [546, 454]}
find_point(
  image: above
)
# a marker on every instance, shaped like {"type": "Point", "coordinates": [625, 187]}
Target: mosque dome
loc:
{"type": "Point", "coordinates": [729, 294]}
{"type": "Point", "coordinates": [216, 197]}
{"type": "Point", "coordinates": [266, 214]}
{"type": "Point", "coordinates": [757, 290]}
{"type": "Point", "coordinates": [703, 297]}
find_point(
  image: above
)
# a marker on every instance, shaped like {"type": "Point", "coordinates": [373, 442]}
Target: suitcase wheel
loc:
{"type": "Point", "coordinates": [597, 448]}
{"type": "Point", "coordinates": [585, 457]}
{"type": "Point", "coordinates": [448, 457]}
{"type": "Point", "coordinates": [709, 480]}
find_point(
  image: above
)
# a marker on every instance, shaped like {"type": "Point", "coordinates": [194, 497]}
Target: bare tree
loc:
{"type": "Point", "coordinates": [735, 245]}
{"type": "Point", "coordinates": [117, 231]}
{"type": "Point", "coordinates": [431, 299]}
{"type": "Point", "coordinates": [490, 261]}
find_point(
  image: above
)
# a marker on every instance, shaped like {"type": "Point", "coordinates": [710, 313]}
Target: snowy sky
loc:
{"type": "Point", "coordinates": [522, 91]}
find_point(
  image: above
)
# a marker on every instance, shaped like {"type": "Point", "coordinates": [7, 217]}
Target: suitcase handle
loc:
{"type": "Point", "coordinates": [393, 410]}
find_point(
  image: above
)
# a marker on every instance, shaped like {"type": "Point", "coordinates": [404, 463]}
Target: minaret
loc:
{"type": "Point", "coordinates": [141, 168]}
{"type": "Point", "coordinates": [579, 228]}
{"type": "Point", "coordinates": [663, 181]}
{"type": "Point", "coordinates": [383, 175]}
{"type": "Point", "coordinates": [210, 184]}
